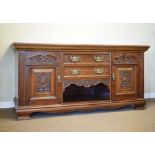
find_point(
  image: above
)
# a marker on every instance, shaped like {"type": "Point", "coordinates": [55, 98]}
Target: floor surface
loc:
{"type": "Point", "coordinates": [125, 119]}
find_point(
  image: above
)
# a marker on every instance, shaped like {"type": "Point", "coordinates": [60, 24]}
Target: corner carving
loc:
{"type": "Point", "coordinates": [85, 83]}
{"type": "Point", "coordinates": [125, 59]}
{"type": "Point", "coordinates": [41, 60]}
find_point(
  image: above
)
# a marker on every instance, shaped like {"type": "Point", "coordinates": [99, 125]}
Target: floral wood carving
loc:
{"type": "Point", "coordinates": [85, 83]}
{"type": "Point", "coordinates": [125, 79]}
{"type": "Point", "coordinates": [43, 82]}
{"type": "Point", "coordinates": [41, 60]}
{"type": "Point", "coordinates": [125, 59]}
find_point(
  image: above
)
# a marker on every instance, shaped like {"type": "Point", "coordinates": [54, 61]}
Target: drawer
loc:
{"type": "Point", "coordinates": [86, 71]}
{"type": "Point", "coordinates": [86, 58]}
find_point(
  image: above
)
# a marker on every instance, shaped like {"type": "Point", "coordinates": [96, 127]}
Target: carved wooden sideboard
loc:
{"type": "Point", "coordinates": [67, 78]}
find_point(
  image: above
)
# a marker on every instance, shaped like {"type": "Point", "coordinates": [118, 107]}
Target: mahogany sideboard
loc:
{"type": "Point", "coordinates": [67, 78]}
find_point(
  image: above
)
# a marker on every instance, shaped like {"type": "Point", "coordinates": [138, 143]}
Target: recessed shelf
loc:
{"type": "Point", "coordinates": [80, 93]}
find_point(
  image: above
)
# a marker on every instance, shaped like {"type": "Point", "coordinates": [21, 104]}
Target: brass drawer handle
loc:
{"type": "Point", "coordinates": [99, 70]}
{"type": "Point", "coordinates": [75, 58]}
{"type": "Point", "coordinates": [75, 71]}
{"type": "Point", "coordinates": [98, 58]}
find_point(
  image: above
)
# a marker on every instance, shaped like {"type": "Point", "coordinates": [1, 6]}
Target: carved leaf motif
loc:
{"type": "Point", "coordinates": [126, 59]}
{"type": "Point", "coordinates": [125, 79]}
{"type": "Point", "coordinates": [85, 83]}
{"type": "Point", "coordinates": [43, 82]}
{"type": "Point", "coordinates": [41, 59]}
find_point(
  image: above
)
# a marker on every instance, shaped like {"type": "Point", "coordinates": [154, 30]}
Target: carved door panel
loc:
{"type": "Point", "coordinates": [125, 76]}
{"type": "Point", "coordinates": [43, 85]}
{"type": "Point", "coordinates": [43, 78]}
{"type": "Point", "coordinates": [125, 82]}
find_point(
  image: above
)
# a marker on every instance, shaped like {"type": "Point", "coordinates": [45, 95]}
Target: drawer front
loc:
{"type": "Point", "coordinates": [86, 71]}
{"type": "Point", "coordinates": [87, 58]}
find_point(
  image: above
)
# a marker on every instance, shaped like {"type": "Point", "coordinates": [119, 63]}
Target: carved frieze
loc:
{"type": "Point", "coordinates": [85, 83]}
{"type": "Point", "coordinates": [125, 79]}
{"type": "Point", "coordinates": [43, 82]}
{"type": "Point", "coordinates": [125, 59]}
{"type": "Point", "coordinates": [41, 60]}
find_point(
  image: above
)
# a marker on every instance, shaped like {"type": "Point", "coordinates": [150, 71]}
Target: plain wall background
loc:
{"type": "Point", "coordinates": [91, 33]}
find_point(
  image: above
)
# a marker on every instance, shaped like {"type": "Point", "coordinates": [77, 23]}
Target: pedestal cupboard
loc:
{"type": "Point", "coordinates": [67, 78]}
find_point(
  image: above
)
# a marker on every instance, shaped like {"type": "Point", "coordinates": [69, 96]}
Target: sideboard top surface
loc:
{"type": "Point", "coordinates": [78, 47]}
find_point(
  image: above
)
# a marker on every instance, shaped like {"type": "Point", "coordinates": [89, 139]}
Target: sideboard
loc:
{"type": "Point", "coordinates": [67, 78]}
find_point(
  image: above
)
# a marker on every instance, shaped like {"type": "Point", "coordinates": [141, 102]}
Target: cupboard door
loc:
{"type": "Point", "coordinates": [43, 85]}
{"type": "Point", "coordinates": [125, 84]}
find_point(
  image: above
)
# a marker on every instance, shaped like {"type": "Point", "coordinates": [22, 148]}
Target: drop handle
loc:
{"type": "Point", "coordinates": [75, 58]}
{"type": "Point", "coordinates": [59, 78]}
{"type": "Point", "coordinates": [75, 71]}
{"type": "Point", "coordinates": [98, 58]}
{"type": "Point", "coordinates": [99, 70]}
